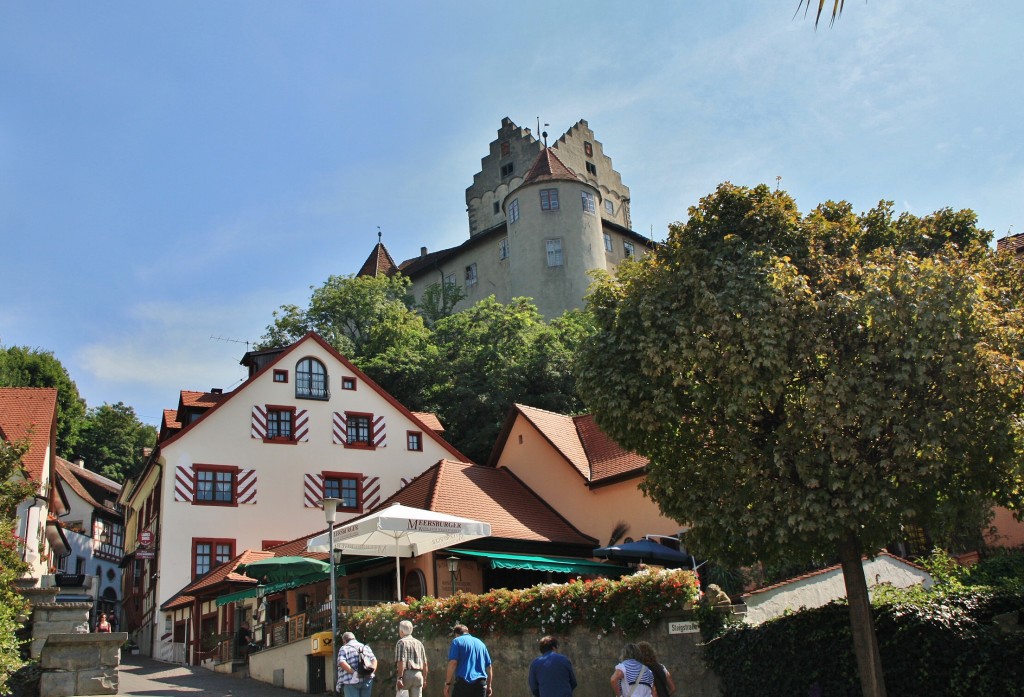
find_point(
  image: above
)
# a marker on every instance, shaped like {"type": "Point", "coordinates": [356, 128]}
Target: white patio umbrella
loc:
{"type": "Point", "coordinates": [401, 531]}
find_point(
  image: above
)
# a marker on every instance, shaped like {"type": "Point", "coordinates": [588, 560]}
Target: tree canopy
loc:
{"type": "Point", "coordinates": [21, 366]}
{"type": "Point", "coordinates": [113, 441]}
{"type": "Point", "coordinates": [14, 488]}
{"type": "Point", "coordinates": [806, 384]}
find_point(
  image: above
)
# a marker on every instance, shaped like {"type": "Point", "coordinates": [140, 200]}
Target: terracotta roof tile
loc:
{"type": "Point", "coordinates": [607, 458]}
{"type": "Point", "coordinates": [190, 398]}
{"type": "Point", "coordinates": [226, 572]}
{"type": "Point", "coordinates": [547, 167]}
{"type": "Point", "coordinates": [560, 430]}
{"type": "Point", "coordinates": [379, 263]}
{"type": "Point", "coordinates": [429, 420]}
{"type": "Point", "coordinates": [1011, 243]}
{"type": "Point", "coordinates": [29, 413]}
{"type": "Point", "coordinates": [171, 419]}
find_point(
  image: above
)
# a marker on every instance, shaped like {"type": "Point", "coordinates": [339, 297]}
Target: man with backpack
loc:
{"type": "Point", "coordinates": [356, 667]}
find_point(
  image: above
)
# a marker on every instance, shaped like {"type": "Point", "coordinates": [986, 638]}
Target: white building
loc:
{"type": "Point", "coordinates": [246, 470]}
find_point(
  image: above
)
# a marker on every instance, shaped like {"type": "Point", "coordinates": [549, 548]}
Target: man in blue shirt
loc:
{"type": "Point", "coordinates": [470, 672]}
{"type": "Point", "coordinates": [551, 673]}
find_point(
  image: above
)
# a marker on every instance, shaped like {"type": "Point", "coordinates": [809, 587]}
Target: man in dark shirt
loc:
{"type": "Point", "coordinates": [551, 673]}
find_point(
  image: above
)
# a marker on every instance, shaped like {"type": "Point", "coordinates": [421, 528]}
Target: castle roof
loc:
{"type": "Point", "coordinates": [547, 167]}
{"type": "Point", "coordinates": [379, 263]}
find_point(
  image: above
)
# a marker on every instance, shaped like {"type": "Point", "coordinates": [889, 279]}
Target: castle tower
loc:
{"type": "Point", "coordinates": [555, 235]}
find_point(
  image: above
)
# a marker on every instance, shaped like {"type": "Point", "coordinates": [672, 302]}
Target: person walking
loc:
{"type": "Point", "coordinates": [551, 673]}
{"type": "Point", "coordinates": [470, 671]}
{"type": "Point", "coordinates": [410, 661]}
{"type": "Point", "coordinates": [631, 677]}
{"type": "Point", "coordinates": [103, 626]}
{"type": "Point", "coordinates": [354, 659]}
{"type": "Point", "coordinates": [664, 686]}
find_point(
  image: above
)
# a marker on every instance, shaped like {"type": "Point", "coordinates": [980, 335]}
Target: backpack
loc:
{"type": "Point", "coordinates": [365, 667]}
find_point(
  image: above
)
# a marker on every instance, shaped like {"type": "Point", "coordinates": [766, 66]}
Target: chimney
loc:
{"type": "Point", "coordinates": [216, 390]}
{"type": "Point", "coordinates": [80, 463]}
{"type": "Point", "coordinates": [423, 251]}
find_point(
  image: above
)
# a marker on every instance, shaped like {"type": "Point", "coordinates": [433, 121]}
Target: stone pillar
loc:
{"type": "Point", "coordinates": [80, 664]}
{"type": "Point", "coordinates": [57, 618]}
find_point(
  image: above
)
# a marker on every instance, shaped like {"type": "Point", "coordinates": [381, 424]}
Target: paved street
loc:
{"type": "Point", "coordinates": [144, 677]}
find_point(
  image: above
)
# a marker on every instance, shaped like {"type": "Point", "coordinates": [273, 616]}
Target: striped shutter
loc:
{"type": "Point", "coordinates": [259, 422]}
{"type": "Point", "coordinates": [184, 484]}
{"type": "Point", "coordinates": [380, 435]}
{"type": "Point", "coordinates": [300, 426]}
{"type": "Point", "coordinates": [371, 492]}
{"type": "Point", "coordinates": [340, 429]}
{"type": "Point", "coordinates": [313, 489]}
{"type": "Point", "coordinates": [245, 487]}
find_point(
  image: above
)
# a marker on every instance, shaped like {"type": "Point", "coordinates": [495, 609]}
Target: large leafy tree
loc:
{"type": "Point", "coordinates": [113, 441]}
{"type": "Point", "coordinates": [491, 355]}
{"type": "Point", "coordinates": [21, 366]}
{"type": "Point", "coordinates": [804, 385]}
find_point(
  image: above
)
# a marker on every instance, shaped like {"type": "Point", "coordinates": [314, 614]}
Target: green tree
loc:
{"type": "Point", "coordinates": [21, 366]}
{"type": "Point", "coordinates": [491, 355]}
{"type": "Point", "coordinates": [438, 301]}
{"type": "Point", "coordinates": [803, 385]}
{"type": "Point", "coordinates": [361, 316]}
{"type": "Point", "coordinates": [14, 488]}
{"type": "Point", "coordinates": [113, 441]}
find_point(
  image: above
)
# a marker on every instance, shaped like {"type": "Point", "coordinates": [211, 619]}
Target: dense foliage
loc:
{"type": "Point", "coordinates": [113, 441]}
{"type": "Point", "coordinates": [468, 367]}
{"type": "Point", "coordinates": [627, 606]}
{"type": "Point", "coordinates": [13, 489]}
{"type": "Point", "coordinates": [936, 643]}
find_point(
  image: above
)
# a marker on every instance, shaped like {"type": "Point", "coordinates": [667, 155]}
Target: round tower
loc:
{"type": "Point", "coordinates": [554, 235]}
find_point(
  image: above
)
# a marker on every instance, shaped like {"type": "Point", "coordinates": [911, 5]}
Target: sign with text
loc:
{"type": "Point", "coordinates": [690, 627]}
{"type": "Point", "coordinates": [145, 538]}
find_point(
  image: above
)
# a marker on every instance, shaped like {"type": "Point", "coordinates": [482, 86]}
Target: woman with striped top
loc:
{"type": "Point", "coordinates": [631, 677]}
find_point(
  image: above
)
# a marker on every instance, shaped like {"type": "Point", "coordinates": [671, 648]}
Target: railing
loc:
{"type": "Point", "coordinates": [178, 653]}
{"type": "Point", "coordinates": [311, 622]}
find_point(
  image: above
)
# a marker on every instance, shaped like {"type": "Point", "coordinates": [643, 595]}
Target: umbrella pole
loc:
{"type": "Point", "coordinates": [398, 573]}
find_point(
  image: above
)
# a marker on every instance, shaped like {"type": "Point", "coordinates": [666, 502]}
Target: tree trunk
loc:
{"type": "Point", "coordinates": [865, 641]}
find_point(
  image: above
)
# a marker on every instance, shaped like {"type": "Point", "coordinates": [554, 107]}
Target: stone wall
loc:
{"type": "Point", "coordinates": [80, 664]}
{"type": "Point", "coordinates": [593, 655]}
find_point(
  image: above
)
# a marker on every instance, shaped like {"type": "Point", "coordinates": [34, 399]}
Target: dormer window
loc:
{"type": "Point", "coordinates": [311, 380]}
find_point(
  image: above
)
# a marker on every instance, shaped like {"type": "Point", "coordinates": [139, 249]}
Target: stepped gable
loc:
{"type": "Point", "coordinates": [547, 167]}
{"type": "Point", "coordinates": [29, 413]}
{"type": "Point", "coordinates": [379, 263]}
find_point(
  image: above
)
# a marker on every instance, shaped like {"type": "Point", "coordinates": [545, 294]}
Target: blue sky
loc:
{"type": "Point", "coordinates": [172, 171]}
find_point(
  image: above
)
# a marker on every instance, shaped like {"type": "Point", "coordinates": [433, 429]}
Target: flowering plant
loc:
{"type": "Point", "coordinates": [628, 605]}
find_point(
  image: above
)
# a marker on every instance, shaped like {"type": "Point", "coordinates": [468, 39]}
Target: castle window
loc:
{"type": "Point", "coordinates": [549, 199]}
{"type": "Point", "coordinates": [592, 168]}
{"type": "Point", "coordinates": [627, 248]}
{"type": "Point", "coordinates": [506, 148]}
{"type": "Point", "coordinates": [497, 208]}
{"type": "Point", "coordinates": [607, 242]}
{"type": "Point", "coordinates": [471, 275]}
{"type": "Point", "coordinates": [506, 169]}
{"type": "Point", "coordinates": [513, 211]}
{"type": "Point", "coordinates": [554, 249]}
{"type": "Point", "coordinates": [503, 248]}
{"type": "Point", "coordinates": [588, 202]}
{"type": "Point", "coordinates": [449, 280]}
{"type": "Point", "coordinates": [588, 148]}
{"type": "Point", "coordinates": [609, 207]}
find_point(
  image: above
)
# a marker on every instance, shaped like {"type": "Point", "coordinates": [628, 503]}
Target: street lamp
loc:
{"type": "Point", "coordinates": [453, 569]}
{"type": "Point", "coordinates": [330, 513]}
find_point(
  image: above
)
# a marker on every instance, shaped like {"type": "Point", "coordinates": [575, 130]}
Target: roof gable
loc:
{"type": "Point", "coordinates": [30, 413]}
{"type": "Point", "coordinates": [548, 167]}
{"type": "Point", "coordinates": [379, 263]}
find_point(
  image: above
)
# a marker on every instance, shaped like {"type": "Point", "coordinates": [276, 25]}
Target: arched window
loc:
{"type": "Point", "coordinates": [311, 380]}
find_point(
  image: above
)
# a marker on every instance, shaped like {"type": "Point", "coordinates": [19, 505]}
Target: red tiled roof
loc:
{"type": "Point", "coordinates": [429, 420]}
{"type": "Point", "coordinates": [547, 167]}
{"type": "Point", "coordinates": [585, 446]}
{"type": "Point", "coordinates": [171, 419]}
{"type": "Point", "coordinates": [379, 263]}
{"type": "Point", "coordinates": [1011, 243]}
{"type": "Point", "coordinates": [29, 413]}
{"type": "Point", "coordinates": [224, 573]}
{"type": "Point", "coordinates": [490, 495]}
{"type": "Point", "coordinates": [828, 569]}
{"type": "Point", "coordinates": [200, 399]}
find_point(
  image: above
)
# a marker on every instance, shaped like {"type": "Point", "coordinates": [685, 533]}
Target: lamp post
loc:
{"type": "Point", "coordinates": [453, 569]}
{"type": "Point", "coordinates": [331, 513]}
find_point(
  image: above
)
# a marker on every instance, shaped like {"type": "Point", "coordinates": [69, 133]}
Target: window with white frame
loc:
{"type": "Point", "coordinates": [503, 248]}
{"type": "Point", "coordinates": [609, 206]}
{"type": "Point", "coordinates": [554, 249]}
{"type": "Point", "coordinates": [549, 199]}
{"type": "Point", "coordinates": [513, 211]}
{"type": "Point", "coordinates": [607, 242]}
{"type": "Point", "coordinates": [471, 275]}
{"type": "Point", "coordinates": [449, 280]}
{"type": "Point", "coordinates": [311, 379]}
{"type": "Point", "coordinates": [588, 202]}
{"type": "Point", "coordinates": [627, 248]}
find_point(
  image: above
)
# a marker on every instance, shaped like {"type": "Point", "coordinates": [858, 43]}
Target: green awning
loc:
{"type": "Point", "coordinates": [564, 565]}
{"type": "Point", "coordinates": [270, 588]}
